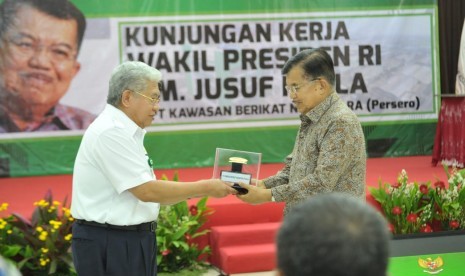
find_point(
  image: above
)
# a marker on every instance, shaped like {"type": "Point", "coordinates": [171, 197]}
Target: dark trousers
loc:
{"type": "Point", "coordinates": [101, 251]}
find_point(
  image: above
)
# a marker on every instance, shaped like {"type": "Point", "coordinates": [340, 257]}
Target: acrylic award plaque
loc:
{"type": "Point", "coordinates": [237, 166]}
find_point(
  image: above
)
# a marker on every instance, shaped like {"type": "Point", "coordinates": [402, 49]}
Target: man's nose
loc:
{"type": "Point", "coordinates": [41, 58]}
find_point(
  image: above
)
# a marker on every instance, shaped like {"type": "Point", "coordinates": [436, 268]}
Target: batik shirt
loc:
{"type": "Point", "coordinates": [61, 117]}
{"type": "Point", "coordinates": [328, 156]}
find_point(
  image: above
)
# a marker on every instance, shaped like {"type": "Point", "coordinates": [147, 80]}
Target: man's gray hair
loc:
{"type": "Point", "coordinates": [130, 75]}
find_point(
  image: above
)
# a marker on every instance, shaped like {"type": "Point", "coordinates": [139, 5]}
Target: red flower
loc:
{"type": "Point", "coordinates": [396, 210]}
{"type": "Point", "coordinates": [426, 229]}
{"type": "Point", "coordinates": [395, 185]}
{"type": "Point", "coordinates": [391, 228]}
{"type": "Point", "coordinates": [166, 252]}
{"type": "Point", "coordinates": [454, 224]}
{"type": "Point", "coordinates": [439, 185]}
{"type": "Point", "coordinates": [412, 218]}
{"type": "Point", "coordinates": [193, 210]}
{"type": "Point", "coordinates": [424, 189]}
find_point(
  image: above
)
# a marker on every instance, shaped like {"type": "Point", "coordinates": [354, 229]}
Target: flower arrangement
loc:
{"type": "Point", "coordinates": [42, 245]}
{"type": "Point", "coordinates": [178, 227]}
{"type": "Point", "coordinates": [412, 207]}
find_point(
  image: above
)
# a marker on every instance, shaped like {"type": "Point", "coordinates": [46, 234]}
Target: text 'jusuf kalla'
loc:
{"type": "Point", "coordinates": [249, 88]}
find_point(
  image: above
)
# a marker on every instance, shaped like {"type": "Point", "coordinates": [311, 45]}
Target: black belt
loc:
{"type": "Point", "coordinates": [147, 226]}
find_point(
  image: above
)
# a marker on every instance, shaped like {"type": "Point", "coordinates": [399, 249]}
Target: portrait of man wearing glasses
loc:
{"type": "Point", "coordinates": [329, 152]}
{"type": "Point", "coordinates": [40, 41]}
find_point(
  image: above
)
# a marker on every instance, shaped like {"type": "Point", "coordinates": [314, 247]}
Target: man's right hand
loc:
{"type": "Point", "coordinates": [218, 188]}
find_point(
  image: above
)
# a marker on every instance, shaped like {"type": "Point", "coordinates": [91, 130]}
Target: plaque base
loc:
{"type": "Point", "coordinates": [239, 189]}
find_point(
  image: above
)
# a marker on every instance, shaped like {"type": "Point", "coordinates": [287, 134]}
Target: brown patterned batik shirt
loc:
{"type": "Point", "coordinates": [61, 117]}
{"type": "Point", "coordinates": [328, 156]}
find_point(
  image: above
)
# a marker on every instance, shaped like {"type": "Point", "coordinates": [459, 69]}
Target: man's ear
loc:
{"type": "Point", "coordinates": [323, 84]}
{"type": "Point", "coordinates": [76, 68]}
{"type": "Point", "coordinates": [126, 98]}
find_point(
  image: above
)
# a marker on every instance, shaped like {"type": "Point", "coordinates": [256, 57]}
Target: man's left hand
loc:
{"type": "Point", "coordinates": [256, 195]}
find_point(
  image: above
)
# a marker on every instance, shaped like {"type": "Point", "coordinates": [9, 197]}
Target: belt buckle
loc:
{"type": "Point", "coordinates": [153, 226]}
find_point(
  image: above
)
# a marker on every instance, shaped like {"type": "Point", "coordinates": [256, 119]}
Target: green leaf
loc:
{"type": "Point", "coordinates": [200, 233]}
{"type": "Point", "coordinates": [29, 252]}
{"type": "Point", "coordinates": [176, 176]}
{"type": "Point", "coordinates": [184, 245]}
{"type": "Point", "coordinates": [180, 233]}
{"type": "Point", "coordinates": [11, 250]}
{"type": "Point", "coordinates": [23, 262]}
{"type": "Point", "coordinates": [53, 266]}
{"type": "Point", "coordinates": [202, 203]}
{"type": "Point", "coordinates": [446, 170]}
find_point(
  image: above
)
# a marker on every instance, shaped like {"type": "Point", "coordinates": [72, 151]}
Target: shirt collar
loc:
{"type": "Point", "coordinates": [120, 118]}
{"type": "Point", "coordinates": [318, 111]}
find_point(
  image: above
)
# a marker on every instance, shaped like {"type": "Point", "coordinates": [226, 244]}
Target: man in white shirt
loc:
{"type": "Point", "coordinates": [116, 195]}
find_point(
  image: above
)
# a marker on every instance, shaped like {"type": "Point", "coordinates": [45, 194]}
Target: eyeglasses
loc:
{"type": "Point", "coordinates": [27, 46]}
{"type": "Point", "coordinates": [153, 101]}
{"type": "Point", "coordinates": [294, 88]}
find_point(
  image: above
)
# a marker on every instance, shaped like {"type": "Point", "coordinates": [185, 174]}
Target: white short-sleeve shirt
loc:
{"type": "Point", "coordinates": [112, 159]}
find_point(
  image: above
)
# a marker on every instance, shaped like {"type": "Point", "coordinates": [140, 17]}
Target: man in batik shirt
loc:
{"type": "Point", "coordinates": [329, 152]}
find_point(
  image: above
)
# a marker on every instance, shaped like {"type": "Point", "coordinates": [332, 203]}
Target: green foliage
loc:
{"type": "Point", "coordinates": [178, 227]}
{"type": "Point", "coordinates": [185, 272]}
{"type": "Point", "coordinates": [413, 207]}
{"type": "Point", "coordinates": [40, 246]}
{"type": "Point", "coordinates": [450, 202]}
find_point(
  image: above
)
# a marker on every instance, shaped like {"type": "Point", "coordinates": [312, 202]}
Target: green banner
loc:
{"type": "Point", "coordinates": [181, 149]}
{"type": "Point", "coordinates": [222, 85]}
